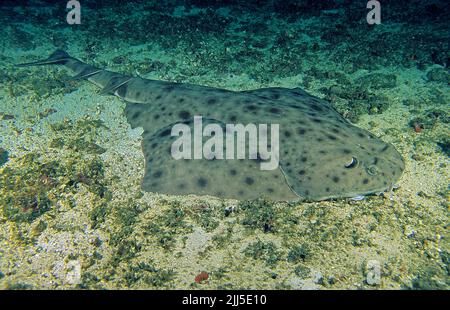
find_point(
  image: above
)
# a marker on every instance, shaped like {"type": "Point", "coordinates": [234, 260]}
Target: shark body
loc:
{"type": "Point", "coordinates": [321, 155]}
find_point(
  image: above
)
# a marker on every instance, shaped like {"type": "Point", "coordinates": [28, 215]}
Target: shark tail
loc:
{"type": "Point", "coordinates": [58, 57]}
{"type": "Point", "coordinates": [108, 81]}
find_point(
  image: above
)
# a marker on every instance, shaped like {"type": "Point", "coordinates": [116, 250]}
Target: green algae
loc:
{"type": "Point", "coordinates": [18, 286]}
{"type": "Point", "coordinates": [4, 157]}
{"type": "Point", "coordinates": [81, 140]}
{"type": "Point", "coordinates": [205, 216]}
{"type": "Point", "coordinates": [39, 84]}
{"type": "Point", "coordinates": [266, 216]}
{"type": "Point", "coordinates": [430, 118]}
{"type": "Point", "coordinates": [6, 117]}
{"type": "Point", "coordinates": [149, 275]}
{"type": "Point", "coordinates": [265, 251]}
{"type": "Point", "coordinates": [168, 225]}
{"type": "Point", "coordinates": [258, 214]}
{"type": "Point", "coordinates": [357, 99]}
{"type": "Point", "coordinates": [302, 271]}
{"type": "Point", "coordinates": [439, 75]}
{"type": "Point", "coordinates": [377, 80]}
{"type": "Point", "coordinates": [444, 143]}
{"type": "Point", "coordinates": [299, 253]}
{"type": "Point", "coordinates": [28, 191]}
{"type": "Point", "coordinates": [33, 184]}
{"type": "Point", "coordinates": [22, 38]}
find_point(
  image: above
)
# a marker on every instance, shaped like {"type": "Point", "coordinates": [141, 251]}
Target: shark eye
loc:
{"type": "Point", "coordinates": [352, 163]}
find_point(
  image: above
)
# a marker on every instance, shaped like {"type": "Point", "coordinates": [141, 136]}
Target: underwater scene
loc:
{"type": "Point", "coordinates": [259, 144]}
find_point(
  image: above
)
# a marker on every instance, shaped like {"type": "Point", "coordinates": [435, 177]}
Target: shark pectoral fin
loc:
{"type": "Point", "coordinates": [114, 83]}
{"type": "Point", "coordinates": [224, 178]}
{"type": "Point", "coordinates": [57, 58]}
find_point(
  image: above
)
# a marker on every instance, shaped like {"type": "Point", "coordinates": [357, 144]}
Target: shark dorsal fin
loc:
{"type": "Point", "coordinates": [58, 57]}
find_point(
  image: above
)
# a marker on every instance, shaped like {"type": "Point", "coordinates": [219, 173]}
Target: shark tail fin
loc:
{"type": "Point", "coordinates": [58, 57]}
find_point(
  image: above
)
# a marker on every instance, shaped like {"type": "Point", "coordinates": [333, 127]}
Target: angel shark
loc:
{"type": "Point", "coordinates": [321, 154]}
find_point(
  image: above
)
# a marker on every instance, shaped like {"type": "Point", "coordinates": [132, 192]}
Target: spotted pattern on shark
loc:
{"type": "Point", "coordinates": [322, 155]}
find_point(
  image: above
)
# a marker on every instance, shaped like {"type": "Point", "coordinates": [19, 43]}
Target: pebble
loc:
{"type": "Point", "coordinates": [373, 276]}
{"type": "Point", "coordinates": [318, 277]}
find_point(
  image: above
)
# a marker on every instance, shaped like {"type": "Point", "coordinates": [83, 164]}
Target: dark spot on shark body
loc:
{"type": "Point", "coordinates": [301, 131]}
{"type": "Point", "coordinates": [184, 114]}
{"type": "Point", "coordinates": [202, 182]}
{"type": "Point", "coordinates": [158, 174]}
{"type": "Point", "coordinates": [275, 111]}
{"type": "Point", "coordinates": [249, 180]}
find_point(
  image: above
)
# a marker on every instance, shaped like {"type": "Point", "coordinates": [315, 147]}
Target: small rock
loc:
{"type": "Point", "coordinates": [318, 278]}
{"type": "Point", "coordinates": [309, 286]}
{"type": "Point", "coordinates": [73, 275]}
{"type": "Point", "coordinates": [295, 283]}
{"type": "Point", "coordinates": [373, 276]}
{"type": "Point", "coordinates": [331, 280]}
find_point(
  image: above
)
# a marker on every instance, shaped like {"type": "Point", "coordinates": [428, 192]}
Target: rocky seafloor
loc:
{"type": "Point", "coordinates": [72, 214]}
